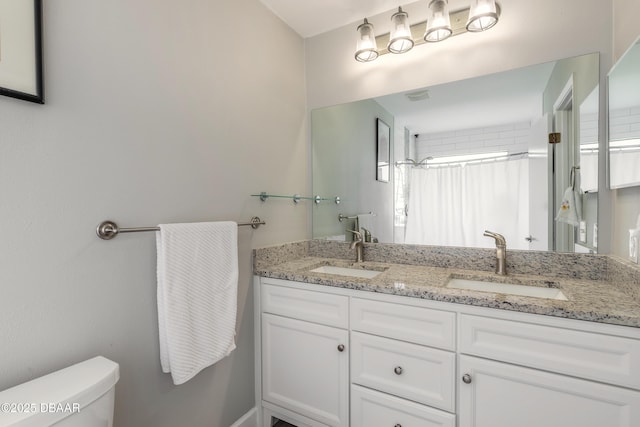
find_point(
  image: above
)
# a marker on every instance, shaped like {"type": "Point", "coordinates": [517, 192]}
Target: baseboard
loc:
{"type": "Point", "coordinates": [250, 419]}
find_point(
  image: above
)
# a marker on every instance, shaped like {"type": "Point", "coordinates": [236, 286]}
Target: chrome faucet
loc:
{"type": "Point", "coordinates": [501, 252]}
{"type": "Point", "coordinates": [357, 244]}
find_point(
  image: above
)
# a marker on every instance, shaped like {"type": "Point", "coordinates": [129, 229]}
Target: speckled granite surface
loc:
{"type": "Point", "coordinates": [626, 275]}
{"type": "Point", "coordinates": [599, 288]}
{"type": "Point", "coordinates": [281, 253]}
{"type": "Point", "coordinates": [579, 266]}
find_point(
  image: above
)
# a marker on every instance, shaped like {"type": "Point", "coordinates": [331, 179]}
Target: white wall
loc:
{"type": "Point", "coordinates": [626, 201]}
{"type": "Point", "coordinates": [625, 25]}
{"type": "Point", "coordinates": [157, 111]}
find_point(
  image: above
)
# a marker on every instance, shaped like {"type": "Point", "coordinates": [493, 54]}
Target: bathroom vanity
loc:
{"type": "Point", "coordinates": [402, 349]}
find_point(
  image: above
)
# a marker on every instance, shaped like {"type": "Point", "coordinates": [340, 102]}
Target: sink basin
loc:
{"type": "Point", "coordinates": [345, 271]}
{"type": "Point", "coordinates": [507, 288]}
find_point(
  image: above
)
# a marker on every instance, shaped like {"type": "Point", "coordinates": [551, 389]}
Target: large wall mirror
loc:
{"type": "Point", "coordinates": [624, 120]}
{"type": "Point", "coordinates": [467, 156]}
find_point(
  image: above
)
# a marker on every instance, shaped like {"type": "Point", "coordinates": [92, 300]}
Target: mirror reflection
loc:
{"type": "Point", "coordinates": [467, 156]}
{"type": "Point", "coordinates": [624, 120]}
{"type": "Point", "coordinates": [588, 137]}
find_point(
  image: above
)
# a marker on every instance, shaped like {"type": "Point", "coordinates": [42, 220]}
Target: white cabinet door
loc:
{"type": "Point", "coordinates": [498, 394]}
{"type": "Point", "coordinates": [305, 368]}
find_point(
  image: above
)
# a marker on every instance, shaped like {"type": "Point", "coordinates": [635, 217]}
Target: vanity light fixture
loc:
{"type": "Point", "coordinates": [482, 15]}
{"type": "Point", "coordinates": [440, 25]}
{"type": "Point", "coordinates": [366, 49]}
{"type": "Point", "coordinates": [400, 40]}
{"type": "Point", "coordinates": [438, 21]}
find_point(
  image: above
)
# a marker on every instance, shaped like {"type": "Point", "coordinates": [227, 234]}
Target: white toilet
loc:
{"type": "Point", "coordinates": [81, 395]}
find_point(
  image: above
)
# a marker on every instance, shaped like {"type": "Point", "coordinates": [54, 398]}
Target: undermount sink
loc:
{"type": "Point", "coordinates": [507, 288]}
{"type": "Point", "coordinates": [346, 271]}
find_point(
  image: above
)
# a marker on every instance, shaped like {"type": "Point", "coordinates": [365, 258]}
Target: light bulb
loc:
{"type": "Point", "coordinates": [400, 40]}
{"type": "Point", "coordinates": [482, 15]}
{"type": "Point", "coordinates": [366, 48]}
{"type": "Point", "coordinates": [438, 21]}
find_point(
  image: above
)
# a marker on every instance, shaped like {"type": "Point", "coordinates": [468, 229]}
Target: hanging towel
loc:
{"type": "Point", "coordinates": [570, 210]}
{"type": "Point", "coordinates": [197, 295]}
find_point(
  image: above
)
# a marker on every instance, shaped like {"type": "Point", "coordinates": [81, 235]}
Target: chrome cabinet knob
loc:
{"type": "Point", "coordinates": [398, 425]}
{"type": "Point", "coordinates": [466, 378]}
{"type": "Point", "coordinates": [398, 370]}
{"type": "Point", "coordinates": [341, 347]}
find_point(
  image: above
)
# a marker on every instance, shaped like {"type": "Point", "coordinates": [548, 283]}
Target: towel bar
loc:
{"type": "Point", "coordinates": [107, 230]}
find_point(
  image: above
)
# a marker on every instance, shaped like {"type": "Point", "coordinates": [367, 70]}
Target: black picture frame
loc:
{"type": "Point", "coordinates": [383, 151]}
{"type": "Point", "coordinates": [22, 79]}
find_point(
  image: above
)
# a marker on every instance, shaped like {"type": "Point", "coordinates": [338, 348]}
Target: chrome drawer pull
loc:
{"type": "Point", "coordinates": [341, 347]}
{"type": "Point", "coordinates": [398, 370]}
{"type": "Point", "coordinates": [466, 378]}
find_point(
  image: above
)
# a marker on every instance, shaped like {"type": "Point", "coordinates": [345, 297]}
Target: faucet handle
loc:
{"type": "Point", "coordinates": [357, 234]}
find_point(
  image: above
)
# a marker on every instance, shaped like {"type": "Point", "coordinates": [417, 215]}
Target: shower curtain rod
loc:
{"type": "Point", "coordinates": [107, 230]}
{"type": "Point", "coordinates": [425, 161]}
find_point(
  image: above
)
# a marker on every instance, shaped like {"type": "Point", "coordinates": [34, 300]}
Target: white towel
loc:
{"type": "Point", "coordinates": [197, 295]}
{"type": "Point", "coordinates": [570, 210]}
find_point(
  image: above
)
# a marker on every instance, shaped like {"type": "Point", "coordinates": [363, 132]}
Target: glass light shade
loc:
{"type": "Point", "coordinates": [438, 21]}
{"type": "Point", "coordinates": [366, 48]}
{"type": "Point", "coordinates": [400, 40]}
{"type": "Point", "coordinates": [482, 15]}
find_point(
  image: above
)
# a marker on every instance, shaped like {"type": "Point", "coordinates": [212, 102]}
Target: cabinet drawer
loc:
{"type": "Point", "coordinates": [411, 371]}
{"type": "Point", "coordinates": [408, 323]}
{"type": "Point", "coordinates": [604, 358]}
{"type": "Point", "coordinates": [317, 307]}
{"type": "Point", "coordinates": [371, 408]}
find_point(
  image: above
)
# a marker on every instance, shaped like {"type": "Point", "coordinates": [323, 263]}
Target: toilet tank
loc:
{"type": "Point", "coordinates": [81, 395]}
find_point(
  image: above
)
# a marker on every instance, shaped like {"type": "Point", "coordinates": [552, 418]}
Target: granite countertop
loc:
{"type": "Point", "coordinates": [588, 299]}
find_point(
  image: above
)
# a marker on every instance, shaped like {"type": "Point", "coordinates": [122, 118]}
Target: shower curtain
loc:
{"type": "Point", "coordinates": [624, 167]}
{"type": "Point", "coordinates": [453, 205]}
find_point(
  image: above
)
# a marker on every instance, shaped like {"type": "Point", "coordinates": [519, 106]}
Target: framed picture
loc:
{"type": "Point", "coordinates": [21, 50]}
{"type": "Point", "coordinates": [383, 151]}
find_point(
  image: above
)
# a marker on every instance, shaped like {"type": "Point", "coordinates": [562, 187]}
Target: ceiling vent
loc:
{"type": "Point", "coordinates": [418, 95]}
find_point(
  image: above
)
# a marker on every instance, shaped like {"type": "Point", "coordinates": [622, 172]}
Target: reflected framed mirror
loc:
{"type": "Point", "coordinates": [466, 156]}
{"type": "Point", "coordinates": [624, 119]}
